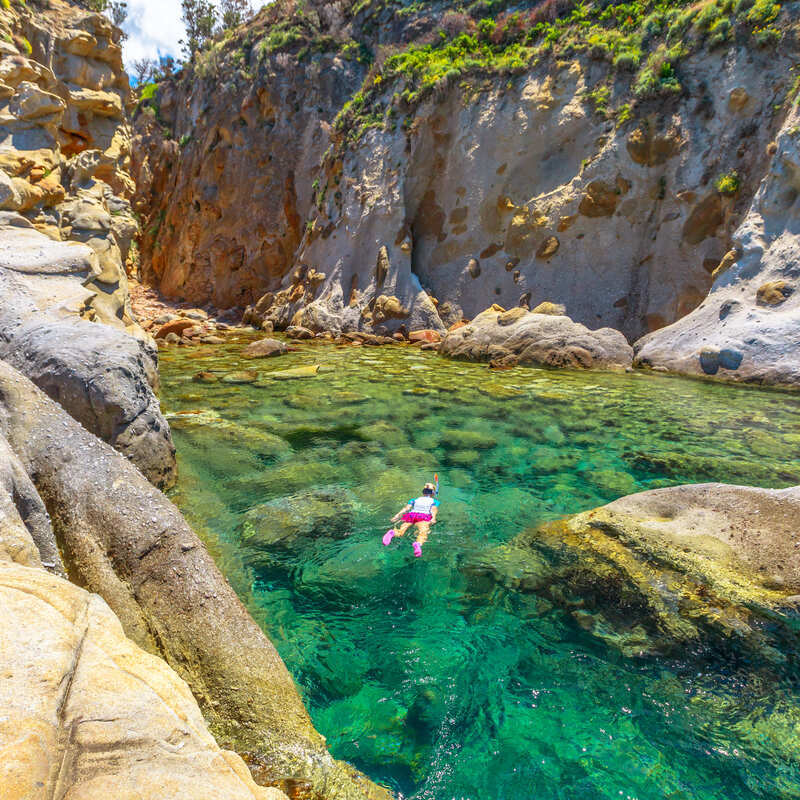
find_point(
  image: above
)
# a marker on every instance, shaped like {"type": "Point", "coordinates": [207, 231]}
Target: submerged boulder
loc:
{"type": "Point", "coordinates": [326, 511]}
{"type": "Point", "coordinates": [666, 567]}
{"type": "Point", "coordinates": [525, 337]}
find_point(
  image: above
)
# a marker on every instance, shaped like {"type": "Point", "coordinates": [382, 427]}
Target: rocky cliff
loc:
{"type": "Point", "coordinates": [482, 156]}
{"type": "Point", "coordinates": [67, 229]}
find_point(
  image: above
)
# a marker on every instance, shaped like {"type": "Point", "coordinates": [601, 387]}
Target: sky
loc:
{"type": "Point", "coordinates": [154, 29]}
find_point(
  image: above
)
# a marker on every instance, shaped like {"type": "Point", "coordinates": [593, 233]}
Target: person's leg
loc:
{"type": "Point", "coordinates": [423, 529]}
{"type": "Point", "coordinates": [402, 529]}
{"type": "Point", "coordinates": [422, 536]}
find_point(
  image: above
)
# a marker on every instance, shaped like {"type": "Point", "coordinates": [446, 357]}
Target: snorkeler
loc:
{"type": "Point", "coordinates": [420, 512]}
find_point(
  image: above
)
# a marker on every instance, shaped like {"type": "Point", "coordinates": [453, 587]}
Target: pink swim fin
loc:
{"type": "Point", "coordinates": [417, 549]}
{"type": "Point", "coordinates": [388, 536]}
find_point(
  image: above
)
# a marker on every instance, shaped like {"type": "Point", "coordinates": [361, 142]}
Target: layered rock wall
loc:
{"type": "Point", "coordinates": [514, 191]}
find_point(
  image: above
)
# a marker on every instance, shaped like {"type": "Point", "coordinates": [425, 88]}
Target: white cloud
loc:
{"type": "Point", "coordinates": [154, 29]}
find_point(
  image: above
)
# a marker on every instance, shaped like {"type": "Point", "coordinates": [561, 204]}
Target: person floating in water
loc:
{"type": "Point", "coordinates": [421, 512]}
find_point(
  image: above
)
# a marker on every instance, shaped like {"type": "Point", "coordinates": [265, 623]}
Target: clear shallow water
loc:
{"type": "Point", "coordinates": [441, 684]}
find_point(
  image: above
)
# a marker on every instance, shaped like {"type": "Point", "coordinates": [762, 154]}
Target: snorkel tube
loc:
{"type": "Point", "coordinates": [436, 483]}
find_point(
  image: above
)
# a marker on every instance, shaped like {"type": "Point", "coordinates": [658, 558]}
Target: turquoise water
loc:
{"type": "Point", "coordinates": [427, 674]}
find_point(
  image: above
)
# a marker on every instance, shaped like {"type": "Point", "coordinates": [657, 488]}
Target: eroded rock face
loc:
{"type": "Point", "coordinates": [747, 327]}
{"type": "Point", "coordinates": [225, 201]}
{"type": "Point", "coordinates": [667, 567]}
{"type": "Point", "coordinates": [519, 336]}
{"type": "Point", "coordinates": [524, 192]}
{"type": "Point", "coordinates": [125, 541]}
{"type": "Point", "coordinates": [64, 151]}
{"type": "Point", "coordinates": [66, 229]}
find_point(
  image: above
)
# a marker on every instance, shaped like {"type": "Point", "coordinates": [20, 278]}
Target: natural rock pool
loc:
{"type": "Point", "coordinates": [428, 674]}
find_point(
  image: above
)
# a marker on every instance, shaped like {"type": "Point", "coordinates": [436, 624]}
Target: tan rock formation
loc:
{"type": "Point", "coordinates": [86, 713]}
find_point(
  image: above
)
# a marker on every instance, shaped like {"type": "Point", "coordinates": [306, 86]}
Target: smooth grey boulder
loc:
{"type": "Point", "coordinates": [104, 379]}
{"type": "Point", "coordinates": [103, 376]}
{"type": "Point", "coordinates": [519, 336]}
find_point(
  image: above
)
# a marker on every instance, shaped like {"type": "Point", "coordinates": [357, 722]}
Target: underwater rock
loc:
{"type": "Point", "coordinates": [326, 511]}
{"type": "Point", "coordinates": [464, 458]}
{"type": "Point", "coordinates": [348, 398]}
{"type": "Point", "coordinates": [350, 575]}
{"type": "Point", "coordinates": [499, 391]}
{"type": "Point", "coordinates": [410, 458]}
{"type": "Point", "coordinates": [240, 377]}
{"type": "Point", "coordinates": [384, 432]}
{"type": "Point", "coordinates": [295, 372]}
{"type": "Point", "coordinates": [457, 439]}
{"type": "Point", "coordinates": [612, 481]}
{"type": "Point", "coordinates": [217, 431]}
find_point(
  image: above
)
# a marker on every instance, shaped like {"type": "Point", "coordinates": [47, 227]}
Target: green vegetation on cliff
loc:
{"type": "Point", "coordinates": [413, 51]}
{"type": "Point", "coordinates": [645, 37]}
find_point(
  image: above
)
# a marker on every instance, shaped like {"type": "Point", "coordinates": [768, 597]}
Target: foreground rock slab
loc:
{"type": "Point", "coordinates": [667, 567]}
{"type": "Point", "coordinates": [88, 715]}
{"type": "Point", "coordinates": [125, 541]}
{"type": "Point", "coordinates": [519, 336]}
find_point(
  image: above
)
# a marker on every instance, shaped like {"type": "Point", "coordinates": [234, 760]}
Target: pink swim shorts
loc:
{"type": "Point", "coordinates": [414, 517]}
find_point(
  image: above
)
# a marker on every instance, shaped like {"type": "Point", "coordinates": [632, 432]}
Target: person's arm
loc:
{"type": "Point", "coordinates": [400, 513]}
{"type": "Point", "coordinates": [434, 512]}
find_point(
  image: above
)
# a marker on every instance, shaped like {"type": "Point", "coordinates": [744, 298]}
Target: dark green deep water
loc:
{"type": "Point", "coordinates": [437, 683]}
